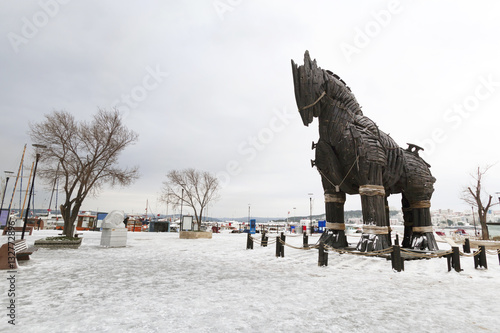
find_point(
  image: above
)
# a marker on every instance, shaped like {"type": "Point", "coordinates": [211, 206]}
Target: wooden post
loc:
{"type": "Point", "coordinates": [322, 255]}
{"type": "Point", "coordinates": [480, 259]}
{"type": "Point", "coordinates": [396, 259]}
{"type": "Point", "coordinates": [305, 240]}
{"type": "Point", "coordinates": [278, 247]}
{"type": "Point", "coordinates": [467, 246]}
{"type": "Point", "coordinates": [263, 243]}
{"type": "Point", "coordinates": [249, 242]}
{"type": "Point", "coordinates": [454, 259]}
{"type": "Point", "coordinates": [283, 238]}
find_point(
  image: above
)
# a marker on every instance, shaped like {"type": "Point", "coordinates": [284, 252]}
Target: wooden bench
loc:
{"type": "Point", "coordinates": [22, 250]}
{"type": "Point", "coordinates": [11, 252]}
{"type": "Point", "coordinates": [17, 229]}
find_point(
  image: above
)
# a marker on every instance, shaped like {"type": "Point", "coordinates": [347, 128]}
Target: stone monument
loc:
{"type": "Point", "coordinates": [114, 234]}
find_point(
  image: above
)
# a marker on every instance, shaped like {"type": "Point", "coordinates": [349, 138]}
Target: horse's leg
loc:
{"type": "Point", "coordinates": [335, 227]}
{"type": "Point", "coordinates": [388, 216]}
{"type": "Point", "coordinates": [375, 228]}
{"type": "Point", "coordinates": [408, 219]}
{"type": "Point", "coordinates": [422, 236]}
{"type": "Point", "coordinates": [418, 192]}
{"type": "Point", "coordinates": [331, 177]}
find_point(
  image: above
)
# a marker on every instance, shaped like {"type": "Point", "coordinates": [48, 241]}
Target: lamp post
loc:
{"type": "Point", "coordinates": [7, 175]}
{"type": "Point", "coordinates": [180, 219]}
{"type": "Point", "coordinates": [37, 146]}
{"type": "Point", "coordinates": [310, 211]}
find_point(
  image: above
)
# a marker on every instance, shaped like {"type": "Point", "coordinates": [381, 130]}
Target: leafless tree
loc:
{"type": "Point", "coordinates": [84, 155]}
{"type": "Point", "coordinates": [193, 188]}
{"type": "Point", "coordinates": [474, 196]}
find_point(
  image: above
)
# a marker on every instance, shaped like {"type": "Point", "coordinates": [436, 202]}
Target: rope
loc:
{"type": "Point", "coordinates": [375, 230]}
{"type": "Point", "coordinates": [493, 253]}
{"type": "Point", "coordinates": [335, 226]}
{"type": "Point", "coordinates": [294, 247]}
{"type": "Point", "coordinates": [337, 187]}
{"type": "Point", "coordinates": [421, 204]}
{"type": "Point", "coordinates": [426, 255]}
{"type": "Point", "coordinates": [315, 102]}
{"type": "Point", "coordinates": [475, 253]}
{"type": "Point", "coordinates": [368, 254]}
{"type": "Point", "coordinates": [371, 190]}
{"type": "Point", "coordinates": [423, 229]}
{"type": "Point", "coordinates": [259, 241]}
{"type": "Point", "coordinates": [334, 198]}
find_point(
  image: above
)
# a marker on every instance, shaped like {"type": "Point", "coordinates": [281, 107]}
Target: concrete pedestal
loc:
{"type": "Point", "coordinates": [114, 237]}
{"type": "Point", "coordinates": [195, 234]}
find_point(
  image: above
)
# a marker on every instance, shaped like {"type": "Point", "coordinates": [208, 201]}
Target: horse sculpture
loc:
{"type": "Point", "coordinates": [354, 156]}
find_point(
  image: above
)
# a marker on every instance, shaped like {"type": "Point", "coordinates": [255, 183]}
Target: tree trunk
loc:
{"type": "Point", "coordinates": [69, 216]}
{"type": "Point", "coordinates": [485, 233]}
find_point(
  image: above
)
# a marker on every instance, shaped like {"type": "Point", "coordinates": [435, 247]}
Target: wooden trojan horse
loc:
{"type": "Point", "coordinates": [354, 156]}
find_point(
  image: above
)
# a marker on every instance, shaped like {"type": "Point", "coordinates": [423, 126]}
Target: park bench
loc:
{"type": "Point", "coordinates": [19, 248]}
{"type": "Point", "coordinates": [17, 229]}
{"type": "Point", "coordinates": [22, 250]}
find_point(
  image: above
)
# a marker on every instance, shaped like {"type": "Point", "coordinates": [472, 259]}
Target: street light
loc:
{"type": "Point", "coordinates": [37, 146]}
{"type": "Point", "coordinates": [180, 219]}
{"type": "Point", "coordinates": [7, 175]}
{"type": "Point", "coordinates": [248, 214]}
{"type": "Point", "coordinates": [310, 211]}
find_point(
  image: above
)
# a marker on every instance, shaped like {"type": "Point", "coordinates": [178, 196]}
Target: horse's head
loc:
{"type": "Point", "coordinates": [308, 80]}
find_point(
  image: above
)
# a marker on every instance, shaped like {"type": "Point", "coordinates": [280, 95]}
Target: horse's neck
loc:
{"type": "Point", "coordinates": [333, 120]}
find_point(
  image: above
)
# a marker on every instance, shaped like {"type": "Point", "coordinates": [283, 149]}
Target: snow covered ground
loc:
{"type": "Point", "coordinates": [160, 283]}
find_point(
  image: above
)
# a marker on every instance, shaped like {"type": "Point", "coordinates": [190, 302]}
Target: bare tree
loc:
{"type": "Point", "coordinates": [193, 188]}
{"type": "Point", "coordinates": [474, 196]}
{"type": "Point", "coordinates": [84, 155]}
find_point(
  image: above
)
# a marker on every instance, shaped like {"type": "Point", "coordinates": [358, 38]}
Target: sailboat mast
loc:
{"type": "Point", "coordinates": [53, 188]}
{"type": "Point", "coordinates": [17, 178]}
{"type": "Point", "coordinates": [27, 190]}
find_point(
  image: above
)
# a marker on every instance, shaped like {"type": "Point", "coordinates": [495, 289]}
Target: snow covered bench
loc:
{"type": "Point", "coordinates": [17, 229]}
{"type": "Point", "coordinates": [22, 250]}
{"type": "Point", "coordinates": [11, 252]}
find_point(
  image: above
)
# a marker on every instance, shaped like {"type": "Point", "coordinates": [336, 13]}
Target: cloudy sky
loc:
{"type": "Point", "coordinates": [208, 85]}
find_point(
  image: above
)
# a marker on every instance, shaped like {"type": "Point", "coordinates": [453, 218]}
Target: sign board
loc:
{"type": "Point", "coordinates": [3, 217]}
{"type": "Point", "coordinates": [321, 226]}
{"type": "Point", "coordinates": [100, 217]}
{"type": "Point", "coordinates": [187, 223]}
{"type": "Point", "coordinates": [252, 227]}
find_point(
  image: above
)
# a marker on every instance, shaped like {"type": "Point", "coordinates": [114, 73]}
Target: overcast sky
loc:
{"type": "Point", "coordinates": [208, 85]}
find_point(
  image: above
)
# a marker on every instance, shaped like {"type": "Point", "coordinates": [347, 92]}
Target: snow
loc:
{"type": "Point", "coordinates": [160, 283]}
